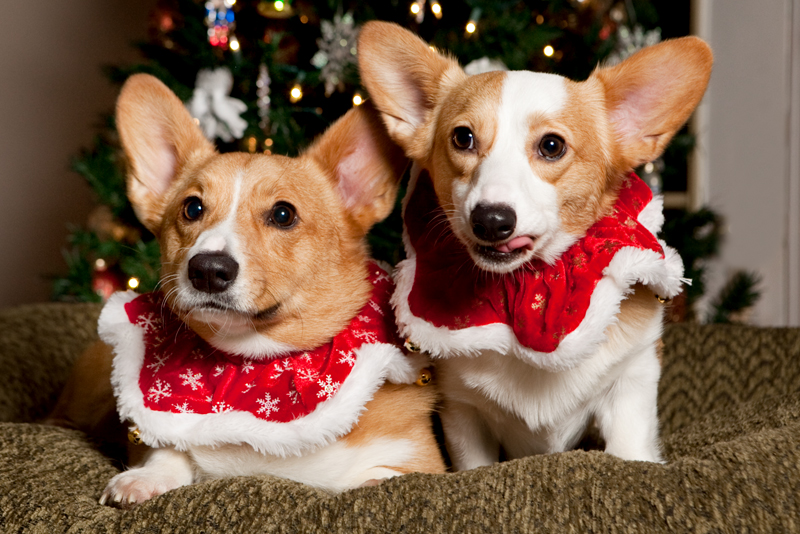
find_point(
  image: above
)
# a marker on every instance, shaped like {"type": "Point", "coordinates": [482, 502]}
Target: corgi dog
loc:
{"type": "Point", "coordinates": [270, 347]}
{"type": "Point", "coordinates": [533, 275]}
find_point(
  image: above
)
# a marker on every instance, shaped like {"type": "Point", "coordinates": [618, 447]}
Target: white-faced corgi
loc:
{"type": "Point", "coordinates": [534, 276]}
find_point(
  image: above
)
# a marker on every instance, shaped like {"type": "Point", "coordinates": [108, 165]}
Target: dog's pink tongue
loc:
{"type": "Point", "coordinates": [516, 243]}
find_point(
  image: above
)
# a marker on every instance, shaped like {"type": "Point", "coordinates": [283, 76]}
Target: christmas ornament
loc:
{"type": "Point", "coordinates": [337, 51]}
{"type": "Point", "coordinates": [217, 112]}
{"type": "Point", "coordinates": [277, 9]}
{"type": "Point", "coordinates": [484, 64]}
{"type": "Point", "coordinates": [102, 222]}
{"type": "Point", "coordinates": [104, 281]}
{"type": "Point", "coordinates": [631, 41]}
{"type": "Point", "coordinates": [262, 93]}
{"type": "Point", "coordinates": [651, 174]}
{"type": "Point", "coordinates": [220, 21]}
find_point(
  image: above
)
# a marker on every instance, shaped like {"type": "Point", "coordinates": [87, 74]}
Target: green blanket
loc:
{"type": "Point", "coordinates": [730, 415]}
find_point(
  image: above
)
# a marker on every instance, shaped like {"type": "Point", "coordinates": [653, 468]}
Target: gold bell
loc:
{"type": "Point", "coordinates": [662, 300]}
{"type": "Point", "coordinates": [411, 346]}
{"type": "Point", "coordinates": [425, 377]}
{"type": "Point", "coordinates": [134, 437]}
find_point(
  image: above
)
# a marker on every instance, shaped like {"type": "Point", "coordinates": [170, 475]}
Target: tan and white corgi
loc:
{"type": "Point", "coordinates": [533, 274]}
{"type": "Point", "coordinates": [271, 346]}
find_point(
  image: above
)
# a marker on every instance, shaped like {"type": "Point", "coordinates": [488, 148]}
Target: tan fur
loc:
{"type": "Point", "coordinates": [401, 411]}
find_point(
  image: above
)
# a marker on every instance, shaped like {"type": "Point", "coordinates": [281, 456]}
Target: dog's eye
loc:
{"type": "Point", "coordinates": [192, 208]}
{"type": "Point", "coordinates": [283, 215]}
{"type": "Point", "coordinates": [463, 138]}
{"type": "Point", "coordinates": [552, 147]}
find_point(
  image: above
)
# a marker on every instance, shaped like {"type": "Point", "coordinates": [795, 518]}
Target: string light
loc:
{"type": "Point", "coordinates": [295, 94]}
{"type": "Point", "coordinates": [436, 7]}
{"type": "Point", "coordinates": [549, 51]}
{"type": "Point", "coordinates": [234, 43]}
{"type": "Point", "coordinates": [279, 5]}
{"type": "Point", "coordinates": [133, 282]}
{"type": "Point", "coordinates": [357, 99]}
{"type": "Point", "coordinates": [415, 8]}
{"type": "Point", "coordinates": [474, 17]}
{"type": "Point", "coordinates": [252, 142]}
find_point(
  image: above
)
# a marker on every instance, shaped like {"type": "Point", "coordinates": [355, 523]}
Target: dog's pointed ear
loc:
{"type": "Point", "coordinates": [366, 165]}
{"type": "Point", "coordinates": [650, 95]}
{"type": "Point", "coordinates": [405, 78]}
{"type": "Point", "coordinates": [159, 138]}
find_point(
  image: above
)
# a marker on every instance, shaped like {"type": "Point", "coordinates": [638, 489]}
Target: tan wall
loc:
{"type": "Point", "coordinates": [52, 92]}
{"type": "Point", "coordinates": [751, 146]}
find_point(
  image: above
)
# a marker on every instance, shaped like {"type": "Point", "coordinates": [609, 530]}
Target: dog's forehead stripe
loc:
{"type": "Point", "coordinates": [526, 93]}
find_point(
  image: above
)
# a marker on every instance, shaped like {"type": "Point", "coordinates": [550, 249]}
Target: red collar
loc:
{"type": "Point", "coordinates": [540, 303]}
{"type": "Point", "coordinates": [182, 373]}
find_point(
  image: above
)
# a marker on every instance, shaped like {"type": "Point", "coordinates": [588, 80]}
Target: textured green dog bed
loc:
{"type": "Point", "coordinates": [730, 416]}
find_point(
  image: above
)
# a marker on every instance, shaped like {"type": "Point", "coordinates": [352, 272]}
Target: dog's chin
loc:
{"type": "Point", "coordinates": [230, 320]}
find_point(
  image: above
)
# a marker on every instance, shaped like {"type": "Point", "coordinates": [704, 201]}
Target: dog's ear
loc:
{"type": "Point", "coordinates": [159, 138]}
{"type": "Point", "coordinates": [405, 78]}
{"type": "Point", "coordinates": [650, 95]}
{"type": "Point", "coordinates": [365, 163]}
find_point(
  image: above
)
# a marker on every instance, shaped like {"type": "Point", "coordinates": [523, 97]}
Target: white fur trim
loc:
{"type": "Point", "coordinates": [331, 419]}
{"type": "Point", "coordinates": [629, 266]}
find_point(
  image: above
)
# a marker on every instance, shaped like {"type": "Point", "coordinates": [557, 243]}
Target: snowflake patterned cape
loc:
{"type": "Point", "coordinates": [181, 391]}
{"type": "Point", "coordinates": [551, 316]}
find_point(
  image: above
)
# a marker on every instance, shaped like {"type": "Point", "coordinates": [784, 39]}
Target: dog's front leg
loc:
{"type": "Point", "coordinates": [628, 415]}
{"type": "Point", "coordinates": [469, 441]}
{"type": "Point", "coordinates": [163, 469]}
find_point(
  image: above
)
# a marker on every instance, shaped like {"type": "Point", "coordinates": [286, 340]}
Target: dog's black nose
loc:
{"type": "Point", "coordinates": [493, 222]}
{"type": "Point", "coordinates": [212, 272]}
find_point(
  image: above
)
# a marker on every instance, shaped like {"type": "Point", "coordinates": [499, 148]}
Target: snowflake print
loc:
{"type": "Point", "coordinates": [159, 391]}
{"type": "Point", "coordinates": [268, 405]}
{"type": "Point", "coordinates": [182, 408]}
{"type": "Point", "coordinates": [287, 365]}
{"type": "Point", "coordinates": [347, 357]}
{"type": "Point", "coordinates": [307, 375]}
{"type": "Point", "coordinates": [248, 387]}
{"type": "Point", "coordinates": [294, 396]}
{"type": "Point", "coordinates": [150, 322]}
{"type": "Point", "coordinates": [329, 387]}
{"type": "Point", "coordinates": [366, 337]}
{"type": "Point", "coordinates": [277, 371]}
{"type": "Point", "coordinates": [364, 318]}
{"type": "Point", "coordinates": [539, 303]}
{"type": "Point", "coordinates": [191, 379]}
{"type": "Point", "coordinates": [306, 356]}
{"type": "Point", "coordinates": [247, 366]}
{"type": "Point", "coordinates": [218, 370]}
{"type": "Point", "coordinates": [221, 407]}
{"type": "Point", "coordinates": [160, 361]}
{"type": "Point", "coordinates": [375, 306]}
{"type": "Point", "coordinates": [381, 277]}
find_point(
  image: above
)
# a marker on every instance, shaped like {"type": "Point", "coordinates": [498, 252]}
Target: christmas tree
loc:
{"type": "Point", "coordinates": [270, 75]}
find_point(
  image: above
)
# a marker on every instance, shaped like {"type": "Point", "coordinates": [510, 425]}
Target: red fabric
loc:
{"type": "Point", "coordinates": [182, 373]}
{"type": "Point", "coordinates": [541, 303]}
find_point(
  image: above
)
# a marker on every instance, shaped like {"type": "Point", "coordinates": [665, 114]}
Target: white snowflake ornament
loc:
{"type": "Point", "coordinates": [631, 41]}
{"type": "Point", "coordinates": [337, 51]}
{"type": "Point", "coordinates": [484, 64]}
{"type": "Point", "coordinates": [217, 112]}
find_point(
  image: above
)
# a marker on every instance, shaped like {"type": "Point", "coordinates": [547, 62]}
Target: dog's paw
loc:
{"type": "Point", "coordinates": [137, 485]}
